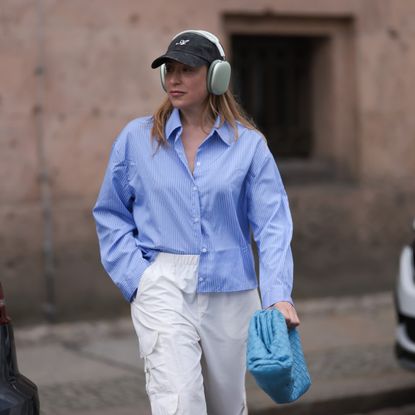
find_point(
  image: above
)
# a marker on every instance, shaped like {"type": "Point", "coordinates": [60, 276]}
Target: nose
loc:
{"type": "Point", "coordinates": [173, 77]}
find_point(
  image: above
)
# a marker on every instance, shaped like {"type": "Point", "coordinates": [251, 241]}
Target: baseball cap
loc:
{"type": "Point", "coordinates": [190, 48]}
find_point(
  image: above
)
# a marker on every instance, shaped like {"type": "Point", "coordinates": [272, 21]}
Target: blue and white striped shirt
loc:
{"type": "Point", "coordinates": [151, 202]}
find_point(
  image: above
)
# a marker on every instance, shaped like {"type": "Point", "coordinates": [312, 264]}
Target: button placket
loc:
{"type": "Point", "coordinates": [178, 146]}
{"type": "Point", "coordinates": [195, 213]}
{"type": "Point", "coordinates": [197, 219]}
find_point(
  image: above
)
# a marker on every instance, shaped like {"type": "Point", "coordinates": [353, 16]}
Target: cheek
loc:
{"type": "Point", "coordinates": [199, 84]}
{"type": "Point", "coordinates": [204, 92]}
{"type": "Point", "coordinates": [201, 89]}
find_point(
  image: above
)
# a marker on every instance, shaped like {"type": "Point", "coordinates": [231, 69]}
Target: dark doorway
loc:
{"type": "Point", "coordinates": [272, 81]}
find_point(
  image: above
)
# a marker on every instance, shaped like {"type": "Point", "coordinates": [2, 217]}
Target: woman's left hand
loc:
{"type": "Point", "coordinates": [288, 311]}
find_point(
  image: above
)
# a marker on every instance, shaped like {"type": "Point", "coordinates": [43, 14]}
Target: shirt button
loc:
{"type": "Point", "coordinates": [195, 220]}
{"type": "Point", "coordinates": [198, 163]}
{"type": "Point", "coordinates": [194, 188]}
{"type": "Point", "coordinates": [204, 250]}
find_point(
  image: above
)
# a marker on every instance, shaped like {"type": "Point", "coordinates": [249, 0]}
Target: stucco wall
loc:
{"type": "Point", "coordinates": [72, 73]}
{"type": "Point", "coordinates": [386, 90]}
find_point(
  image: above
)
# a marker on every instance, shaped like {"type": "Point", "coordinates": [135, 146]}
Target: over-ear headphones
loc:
{"type": "Point", "coordinates": [219, 71]}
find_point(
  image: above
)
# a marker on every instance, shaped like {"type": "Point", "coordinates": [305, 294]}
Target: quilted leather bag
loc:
{"type": "Point", "coordinates": [275, 357]}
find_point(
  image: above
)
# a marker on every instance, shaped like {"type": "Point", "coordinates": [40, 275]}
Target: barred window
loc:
{"type": "Point", "coordinates": [272, 81]}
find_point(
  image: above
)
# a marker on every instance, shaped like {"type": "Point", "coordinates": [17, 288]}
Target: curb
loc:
{"type": "Point", "coordinates": [345, 405]}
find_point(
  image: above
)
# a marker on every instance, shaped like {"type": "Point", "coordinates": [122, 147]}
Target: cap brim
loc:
{"type": "Point", "coordinates": [186, 58]}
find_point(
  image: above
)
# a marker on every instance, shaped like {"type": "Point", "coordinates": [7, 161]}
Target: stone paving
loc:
{"type": "Point", "coordinates": [85, 396]}
{"type": "Point", "coordinates": [403, 410]}
{"type": "Point", "coordinates": [93, 368]}
{"type": "Point", "coordinates": [128, 390]}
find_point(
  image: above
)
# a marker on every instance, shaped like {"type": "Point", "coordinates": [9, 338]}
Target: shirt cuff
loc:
{"type": "Point", "coordinates": [128, 287]}
{"type": "Point", "coordinates": [273, 296]}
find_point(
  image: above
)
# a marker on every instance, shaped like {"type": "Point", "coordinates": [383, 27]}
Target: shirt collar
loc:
{"type": "Point", "coordinates": [225, 131]}
{"type": "Point", "coordinates": [173, 124]}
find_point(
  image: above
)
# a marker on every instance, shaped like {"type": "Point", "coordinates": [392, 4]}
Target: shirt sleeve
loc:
{"type": "Point", "coordinates": [116, 229]}
{"type": "Point", "coordinates": [271, 223]}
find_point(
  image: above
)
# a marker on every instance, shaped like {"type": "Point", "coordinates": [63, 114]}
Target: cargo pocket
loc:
{"type": "Point", "coordinates": [164, 403]}
{"type": "Point", "coordinates": [147, 343]}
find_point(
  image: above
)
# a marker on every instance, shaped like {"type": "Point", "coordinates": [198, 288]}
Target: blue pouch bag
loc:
{"type": "Point", "coordinates": [275, 357]}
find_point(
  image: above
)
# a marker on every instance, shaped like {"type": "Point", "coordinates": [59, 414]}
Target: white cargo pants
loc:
{"type": "Point", "coordinates": [193, 344]}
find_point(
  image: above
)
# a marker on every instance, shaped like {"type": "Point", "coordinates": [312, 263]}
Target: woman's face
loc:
{"type": "Point", "coordinates": [186, 86]}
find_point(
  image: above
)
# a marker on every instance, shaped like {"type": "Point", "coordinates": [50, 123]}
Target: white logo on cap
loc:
{"type": "Point", "coordinates": [182, 42]}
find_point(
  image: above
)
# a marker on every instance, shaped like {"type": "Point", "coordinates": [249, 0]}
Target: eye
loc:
{"type": "Point", "coordinates": [188, 69]}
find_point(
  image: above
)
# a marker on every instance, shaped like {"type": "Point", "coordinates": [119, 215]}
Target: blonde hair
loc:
{"type": "Point", "coordinates": [223, 106]}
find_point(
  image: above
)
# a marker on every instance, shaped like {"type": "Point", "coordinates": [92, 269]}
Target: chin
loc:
{"type": "Point", "coordinates": [176, 103]}
{"type": "Point", "coordinates": [180, 105]}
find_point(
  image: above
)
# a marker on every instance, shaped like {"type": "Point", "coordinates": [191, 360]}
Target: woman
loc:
{"type": "Point", "coordinates": [181, 194]}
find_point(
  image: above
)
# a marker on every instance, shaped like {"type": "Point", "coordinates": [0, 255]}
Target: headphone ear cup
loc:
{"type": "Point", "coordinates": [218, 77]}
{"type": "Point", "coordinates": [163, 76]}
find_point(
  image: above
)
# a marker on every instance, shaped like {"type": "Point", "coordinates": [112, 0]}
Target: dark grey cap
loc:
{"type": "Point", "coordinates": [191, 49]}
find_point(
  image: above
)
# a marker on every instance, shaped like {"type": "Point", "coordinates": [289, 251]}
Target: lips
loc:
{"type": "Point", "coordinates": [176, 93]}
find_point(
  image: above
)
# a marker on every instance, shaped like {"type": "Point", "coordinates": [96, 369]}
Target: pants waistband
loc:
{"type": "Point", "coordinates": [169, 258]}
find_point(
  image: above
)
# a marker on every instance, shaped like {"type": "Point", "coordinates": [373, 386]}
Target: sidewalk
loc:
{"type": "Point", "coordinates": [93, 368]}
